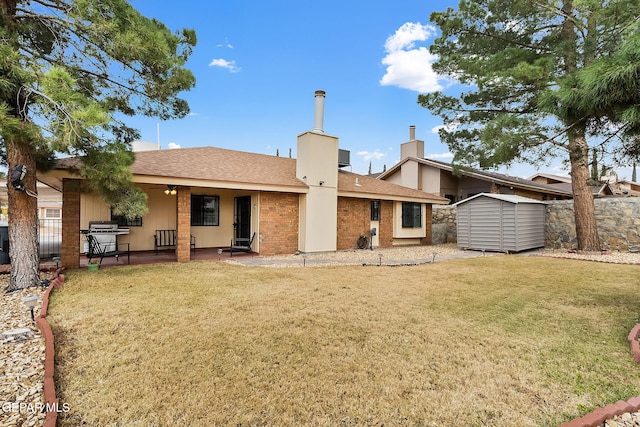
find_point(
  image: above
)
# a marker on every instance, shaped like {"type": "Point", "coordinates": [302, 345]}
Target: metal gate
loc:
{"type": "Point", "coordinates": [50, 232]}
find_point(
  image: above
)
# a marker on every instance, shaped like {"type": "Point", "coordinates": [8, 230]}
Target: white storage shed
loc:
{"type": "Point", "coordinates": [500, 223]}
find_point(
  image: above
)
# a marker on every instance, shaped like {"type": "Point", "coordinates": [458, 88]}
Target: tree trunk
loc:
{"type": "Point", "coordinates": [23, 219]}
{"type": "Point", "coordinates": [584, 208]}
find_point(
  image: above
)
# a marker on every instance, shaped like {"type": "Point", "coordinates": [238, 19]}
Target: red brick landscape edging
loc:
{"type": "Point", "coordinates": [597, 417]}
{"type": "Point", "coordinates": [51, 401]}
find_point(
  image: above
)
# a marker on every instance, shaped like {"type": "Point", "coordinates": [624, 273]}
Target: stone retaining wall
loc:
{"type": "Point", "coordinates": [618, 222]}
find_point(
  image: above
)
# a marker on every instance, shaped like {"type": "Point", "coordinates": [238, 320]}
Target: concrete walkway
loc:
{"type": "Point", "coordinates": [365, 257]}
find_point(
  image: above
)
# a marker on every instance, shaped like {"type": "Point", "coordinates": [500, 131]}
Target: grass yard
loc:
{"type": "Point", "coordinates": [490, 341]}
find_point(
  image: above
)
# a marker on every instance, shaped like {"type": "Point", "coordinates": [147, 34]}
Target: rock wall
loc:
{"type": "Point", "coordinates": [618, 222]}
{"type": "Point", "coordinates": [444, 225]}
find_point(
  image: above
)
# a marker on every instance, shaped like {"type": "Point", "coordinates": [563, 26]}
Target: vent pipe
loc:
{"type": "Point", "coordinates": [412, 133]}
{"type": "Point", "coordinates": [319, 112]}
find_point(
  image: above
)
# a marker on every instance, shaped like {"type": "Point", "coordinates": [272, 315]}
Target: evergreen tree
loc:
{"type": "Point", "coordinates": [541, 79]}
{"type": "Point", "coordinates": [68, 68]}
{"type": "Point", "coordinates": [369, 168]}
{"type": "Point", "coordinates": [594, 166]}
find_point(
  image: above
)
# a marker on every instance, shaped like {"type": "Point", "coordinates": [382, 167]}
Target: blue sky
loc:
{"type": "Point", "coordinates": [258, 63]}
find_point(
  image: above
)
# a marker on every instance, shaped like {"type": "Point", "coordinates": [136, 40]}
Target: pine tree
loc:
{"type": "Point", "coordinates": [539, 79]}
{"type": "Point", "coordinates": [60, 91]}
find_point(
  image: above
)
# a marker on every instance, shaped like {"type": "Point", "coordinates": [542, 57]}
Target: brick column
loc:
{"type": "Point", "coordinates": [428, 222]}
{"type": "Point", "coordinates": [183, 247]}
{"type": "Point", "coordinates": [70, 249]}
{"type": "Point", "coordinates": [385, 233]}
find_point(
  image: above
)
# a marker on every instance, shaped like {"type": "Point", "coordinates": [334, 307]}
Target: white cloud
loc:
{"type": "Point", "coordinates": [407, 35]}
{"type": "Point", "coordinates": [560, 170]}
{"type": "Point", "coordinates": [223, 63]}
{"type": "Point", "coordinates": [173, 146]}
{"type": "Point", "coordinates": [447, 155]}
{"type": "Point", "coordinates": [225, 44]}
{"type": "Point", "coordinates": [367, 155]}
{"type": "Point", "coordinates": [449, 128]}
{"type": "Point", "coordinates": [408, 66]}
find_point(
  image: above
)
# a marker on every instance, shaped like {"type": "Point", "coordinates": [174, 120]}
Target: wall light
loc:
{"type": "Point", "coordinates": [171, 189]}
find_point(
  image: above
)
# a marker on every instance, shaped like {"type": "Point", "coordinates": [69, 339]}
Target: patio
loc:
{"type": "Point", "coordinates": [168, 255]}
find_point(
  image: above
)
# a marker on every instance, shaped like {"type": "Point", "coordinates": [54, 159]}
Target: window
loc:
{"type": "Point", "coordinates": [123, 221]}
{"type": "Point", "coordinates": [51, 213]}
{"type": "Point", "coordinates": [411, 215]}
{"type": "Point", "coordinates": [375, 210]}
{"type": "Point", "coordinates": [205, 210]}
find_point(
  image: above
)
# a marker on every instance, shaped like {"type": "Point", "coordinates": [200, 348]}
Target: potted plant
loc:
{"type": "Point", "coordinates": [93, 265]}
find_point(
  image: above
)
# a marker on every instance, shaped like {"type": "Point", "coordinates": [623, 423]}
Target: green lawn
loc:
{"type": "Point", "coordinates": [509, 341]}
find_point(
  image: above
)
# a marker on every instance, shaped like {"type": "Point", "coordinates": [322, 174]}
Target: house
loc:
{"type": "Point", "coordinates": [626, 188]}
{"type": "Point", "coordinates": [432, 176]}
{"type": "Point", "coordinates": [49, 202]}
{"type": "Point", "coordinates": [308, 204]}
{"type": "Point", "coordinates": [602, 189]}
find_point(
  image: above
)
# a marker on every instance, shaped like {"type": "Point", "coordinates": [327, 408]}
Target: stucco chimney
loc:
{"type": "Point", "coordinates": [413, 148]}
{"type": "Point", "coordinates": [318, 118]}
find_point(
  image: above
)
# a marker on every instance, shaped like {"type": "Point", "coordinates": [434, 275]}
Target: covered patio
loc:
{"type": "Point", "coordinates": [168, 255]}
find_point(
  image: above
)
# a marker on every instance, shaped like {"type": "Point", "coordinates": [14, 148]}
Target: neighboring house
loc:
{"type": "Point", "coordinates": [432, 176]}
{"type": "Point", "coordinates": [306, 204]}
{"type": "Point", "coordinates": [626, 188]}
{"type": "Point", "coordinates": [49, 202]}
{"type": "Point", "coordinates": [602, 189]}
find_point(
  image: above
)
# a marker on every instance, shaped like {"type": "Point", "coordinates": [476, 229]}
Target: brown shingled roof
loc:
{"type": "Point", "coordinates": [349, 182]}
{"type": "Point", "coordinates": [217, 164]}
{"type": "Point", "coordinates": [239, 167]}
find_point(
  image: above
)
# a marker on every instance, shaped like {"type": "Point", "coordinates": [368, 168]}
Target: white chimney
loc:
{"type": "Point", "coordinates": [412, 133]}
{"type": "Point", "coordinates": [319, 112]}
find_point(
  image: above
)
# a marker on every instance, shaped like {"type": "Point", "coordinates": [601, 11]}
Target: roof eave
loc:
{"type": "Point", "coordinates": [378, 196]}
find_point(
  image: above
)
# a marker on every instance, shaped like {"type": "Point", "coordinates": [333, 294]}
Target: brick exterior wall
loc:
{"type": "Point", "coordinates": [354, 219]}
{"type": "Point", "coordinates": [70, 246]}
{"type": "Point", "coordinates": [279, 217]}
{"type": "Point", "coordinates": [428, 222]}
{"type": "Point", "coordinates": [385, 232]}
{"type": "Point", "coordinates": [183, 247]}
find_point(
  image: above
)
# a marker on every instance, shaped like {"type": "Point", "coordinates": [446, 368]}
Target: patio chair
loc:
{"type": "Point", "coordinates": [241, 244]}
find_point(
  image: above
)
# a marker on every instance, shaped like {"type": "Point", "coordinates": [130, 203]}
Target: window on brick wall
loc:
{"type": "Point", "coordinates": [205, 210]}
{"type": "Point", "coordinates": [375, 210]}
{"type": "Point", "coordinates": [411, 215]}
